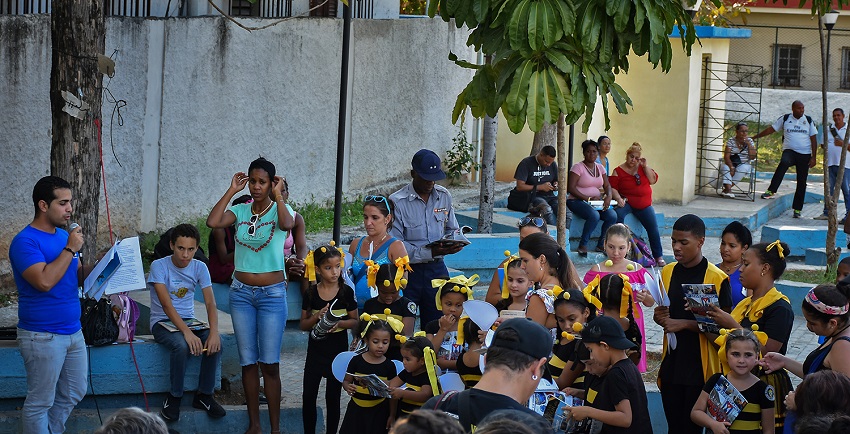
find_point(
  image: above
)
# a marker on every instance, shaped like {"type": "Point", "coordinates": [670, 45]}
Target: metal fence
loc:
{"type": "Point", "coordinates": [791, 58]}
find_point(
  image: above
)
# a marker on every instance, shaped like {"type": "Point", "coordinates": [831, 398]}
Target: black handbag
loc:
{"type": "Point", "coordinates": [520, 200]}
{"type": "Point", "coordinates": [736, 159]}
{"type": "Point", "coordinates": [98, 322]}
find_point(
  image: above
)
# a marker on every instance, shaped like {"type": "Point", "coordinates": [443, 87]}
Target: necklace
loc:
{"type": "Point", "coordinates": [260, 214]}
{"type": "Point", "coordinates": [730, 270]}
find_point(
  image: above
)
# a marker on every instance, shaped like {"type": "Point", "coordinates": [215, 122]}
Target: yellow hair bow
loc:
{"type": "Point", "coordinates": [511, 258]}
{"type": "Point", "coordinates": [590, 292]}
{"type": "Point", "coordinates": [420, 333]}
{"type": "Point", "coordinates": [430, 367]}
{"type": "Point", "coordinates": [402, 264]}
{"type": "Point", "coordinates": [779, 248]}
{"type": "Point", "coordinates": [461, 323]}
{"type": "Point", "coordinates": [371, 320]}
{"type": "Point", "coordinates": [460, 284]}
{"type": "Point", "coordinates": [556, 291]}
{"type": "Point", "coordinates": [396, 325]}
{"type": "Point", "coordinates": [626, 298]}
{"type": "Point", "coordinates": [310, 267]}
{"type": "Point", "coordinates": [371, 272]}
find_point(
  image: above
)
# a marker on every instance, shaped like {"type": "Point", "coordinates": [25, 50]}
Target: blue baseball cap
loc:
{"type": "Point", "coordinates": [427, 164]}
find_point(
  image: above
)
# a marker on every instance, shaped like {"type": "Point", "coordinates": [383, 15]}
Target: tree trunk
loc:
{"type": "Point", "coordinates": [78, 36]}
{"type": "Point", "coordinates": [828, 198]}
{"type": "Point", "coordinates": [488, 176]}
{"type": "Point", "coordinates": [563, 167]}
{"type": "Point", "coordinates": [546, 136]}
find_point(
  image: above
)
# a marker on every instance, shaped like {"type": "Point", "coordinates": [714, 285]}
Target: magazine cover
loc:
{"type": "Point", "coordinates": [374, 385]}
{"type": "Point", "coordinates": [725, 402]}
{"type": "Point", "coordinates": [555, 407]}
{"type": "Point", "coordinates": [699, 297]}
{"type": "Point", "coordinates": [194, 324]}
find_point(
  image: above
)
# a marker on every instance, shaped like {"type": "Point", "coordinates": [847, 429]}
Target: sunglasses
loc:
{"type": "Point", "coordinates": [536, 221]}
{"type": "Point", "coordinates": [377, 199]}
{"type": "Point", "coordinates": [252, 225]}
{"type": "Point", "coordinates": [637, 178]}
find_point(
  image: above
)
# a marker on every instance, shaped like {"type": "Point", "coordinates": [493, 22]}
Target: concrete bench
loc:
{"type": "Point", "coordinates": [817, 256]}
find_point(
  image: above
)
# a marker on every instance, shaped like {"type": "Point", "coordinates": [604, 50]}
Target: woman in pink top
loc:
{"type": "Point", "coordinates": [587, 182]}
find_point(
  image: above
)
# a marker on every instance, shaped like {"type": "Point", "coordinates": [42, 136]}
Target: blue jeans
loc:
{"type": "Point", "coordinates": [420, 291]}
{"type": "Point", "coordinates": [591, 217]}
{"type": "Point", "coordinates": [259, 317]}
{"type": "Point", "coordinates": [646, 217]}
{"type": "Point", "coordinates": [845, 186]}
{"type": "Point", "coordinates": [179, 352]}
{"type": "Point", "coordinates": [57, 367]}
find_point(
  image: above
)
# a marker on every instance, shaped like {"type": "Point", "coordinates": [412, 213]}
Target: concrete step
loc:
{"type": "Point", "coordinates": [798, 237]}
{"type": "Point", "coordinates": [93, 410]}
{"type": "Point", "coordinates": [817, 255]}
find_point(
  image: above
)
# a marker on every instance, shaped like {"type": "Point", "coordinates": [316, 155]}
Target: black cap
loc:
{"type": "Point", "coordinates": [608, 330]}
{"type": "Point", "coordinates": [427, 164]}
{"type": "Point", "coordinates": [534, 339]}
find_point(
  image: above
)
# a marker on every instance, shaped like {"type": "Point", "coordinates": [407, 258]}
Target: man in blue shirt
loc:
{"type": "Point", "coordinates": [47, 272]}
{"type": "Point", "coordinates": [424, 214]}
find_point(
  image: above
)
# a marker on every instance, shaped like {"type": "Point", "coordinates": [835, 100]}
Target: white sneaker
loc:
{"type": "Point", "coordinates": [821, 217]}
{"type": "Point", "coordinates": [730, 195]}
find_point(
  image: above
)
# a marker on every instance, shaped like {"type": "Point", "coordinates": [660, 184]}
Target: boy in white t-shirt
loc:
{"type": "Point", "coordinates": [172, 282]}
{"type": "Point", "coordinates": [799, 149]}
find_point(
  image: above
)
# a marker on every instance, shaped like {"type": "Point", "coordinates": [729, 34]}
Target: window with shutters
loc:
{"type": "Point", "coordinates": [786, 65]}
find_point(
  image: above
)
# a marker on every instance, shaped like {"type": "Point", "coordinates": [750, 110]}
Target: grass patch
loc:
{"type": "Point", "coordinates": [770, 149]}
{"type": "Point", "coordinates": [319, 217]}
{"type": "Point", "coordinates": [815, 277]}
{"type": "Point", "coordinates": [147, 241]}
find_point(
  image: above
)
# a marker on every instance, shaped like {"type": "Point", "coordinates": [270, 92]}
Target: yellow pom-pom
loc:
{"type": "Point", "coordinates": [755, 327]}
{"type": "Point", "coordinates": [609, 263]}
{"type": "Point", "coordinates": [365, 317]}
{"type": "Point", "coordinates": [724, 332]}
{"type": "Point", "coordinates": [630, 267]}
{"type": "Point", "coordinates": [578, 327]}
{"type": "Point", "coordinates": [403, 282]}
{"type": "Point", "coordinates": [570, 337]}
{"type": "Point", "coordinates": [507, 253]}
{"type": "Point", "coordinates": [550, 293]}
{"type": "Point", "coordinates": [565, 295]}
{"type": "Point", "coordinates": [332, 243]}
{"type": "Point", "coordinates": [564, 334]}
{"type": "Point", "coordinates": [401, 338]}
{"type": "Point", "coordinates": [387, 311]}
{"type": "Point", "coordinates": [386, 282]}
{"type": "Point", "coordinates": [323, 250]}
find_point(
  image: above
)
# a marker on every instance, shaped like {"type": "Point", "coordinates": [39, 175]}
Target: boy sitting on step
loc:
{"type": "Point", "coordinates": [172, 281]}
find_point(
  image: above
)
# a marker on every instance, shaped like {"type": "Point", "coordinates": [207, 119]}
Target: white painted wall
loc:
{"type": "Point", "coordinates": [204, 98]}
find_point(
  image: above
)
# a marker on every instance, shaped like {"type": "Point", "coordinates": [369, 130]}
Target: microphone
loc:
{"type": "Point", "coordinates": [71, 228]}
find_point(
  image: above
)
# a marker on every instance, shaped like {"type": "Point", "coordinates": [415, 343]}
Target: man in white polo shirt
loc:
{"type": "Point", "coordinates": [834, 144]}
{"type": "Point", "coordinates": [799, 149]}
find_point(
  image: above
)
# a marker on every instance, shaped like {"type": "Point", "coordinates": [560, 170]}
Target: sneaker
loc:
{"type": "Point", "coordinates": [841, 222]}
{"type": "Point", "coordinates": [768, 195]}
{"type": "Point", "coordinates": [170, 408]}
{"type": "Point", "coordinates": [797, 214]}
{"type": "Point", "coordinates": [822, 217]}
{"type": "Point", "coordinates": [206, 402]}
{"type": "Point", "coordinates": [730, 195]}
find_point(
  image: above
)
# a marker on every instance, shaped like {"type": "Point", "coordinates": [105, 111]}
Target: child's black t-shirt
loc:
{"type": "Point", "coordinates": [414, 383]}
{"type": "Point", "coordinates": [623, 381]}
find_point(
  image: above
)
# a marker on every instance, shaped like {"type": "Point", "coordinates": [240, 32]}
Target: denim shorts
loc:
{"type": "Point", "coordinates": [259, 317]}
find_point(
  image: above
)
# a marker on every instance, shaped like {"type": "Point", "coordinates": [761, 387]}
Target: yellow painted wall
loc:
{"type": "Point", "coordinates": [664, 119]}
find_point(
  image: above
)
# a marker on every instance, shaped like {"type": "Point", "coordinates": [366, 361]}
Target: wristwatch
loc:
{"type": "Point", "coordinates": [69, 250]}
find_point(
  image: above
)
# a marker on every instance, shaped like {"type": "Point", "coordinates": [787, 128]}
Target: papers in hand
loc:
{"type": "Point", "coordinates": [373, 384]}
{"type": "Point", "coordinates": [452, 239]}
{"type": "Point", "coordinates": [663, 300]}
{"type": "Point", "coordinates": [700, 296]}
{"type": "Point", "coordinates": [120, 270]}
{"type": "Point", "coordinates": [725, 402]}
{"type": "Point", "coordinates": [194, 324]}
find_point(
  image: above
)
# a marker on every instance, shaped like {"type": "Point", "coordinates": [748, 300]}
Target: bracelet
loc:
{"type": "Point", "coordinates": [70, 251]}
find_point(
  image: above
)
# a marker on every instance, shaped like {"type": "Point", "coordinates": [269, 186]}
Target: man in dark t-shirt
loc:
{"type": "Point", "coordinates": [536, 183]}
{"type": "Point", "coordinates": [685, 368]}
{"type": "Point", "coordinates": [515, 361]}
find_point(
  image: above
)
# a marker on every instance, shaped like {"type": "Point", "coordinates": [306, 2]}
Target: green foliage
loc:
{"type": "Point", "coordinates": [556, 56]}
{"type": "Point", "coordinates": [412, 7]}
{"type": "Point", "coordinates": [319, 217]}
{"type": "Point", "coordinates": [460, 158]}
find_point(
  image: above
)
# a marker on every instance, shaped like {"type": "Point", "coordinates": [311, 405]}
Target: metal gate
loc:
{"type": "Point", "coordinates": [731, 93]}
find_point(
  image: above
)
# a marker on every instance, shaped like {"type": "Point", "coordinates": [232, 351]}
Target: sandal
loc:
{"type": "Point", "coordinates": [659, 262]}
{"type": "Point", "coordinates": [582, 252]}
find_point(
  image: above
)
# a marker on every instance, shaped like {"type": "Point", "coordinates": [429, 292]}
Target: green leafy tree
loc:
{"type": "Point", "coordinates": [557, 56]}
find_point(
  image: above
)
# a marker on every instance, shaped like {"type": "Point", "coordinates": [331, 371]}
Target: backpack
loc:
{"type": "Point", "coordinates": [126, 312]}
{"type": "Point", "coordinates": [640, 252]}
{"type": "Point", "coordinates": [785, 119]}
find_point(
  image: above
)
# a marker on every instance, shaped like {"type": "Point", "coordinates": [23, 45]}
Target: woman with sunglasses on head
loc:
{"type": "Point", "coordinates": [258, 292]}
{"type": "Point", "coordinates": [737, 154]}
{"type": "Point", "coordinates": [377, 246]}
{"type": "Point", "coordinates": [532, 223]}
{"type": "Point", "coordinates": [633, 181]}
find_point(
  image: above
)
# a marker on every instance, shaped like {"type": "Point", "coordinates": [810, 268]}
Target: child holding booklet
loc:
{"type": "Point", "coordinates": [172, 281]}
{"type": "Point", "coordinates": [618, 399]}
{"type": "Point", "coordinates": [329, 293]}
{"type": "Point", "coordinates": [739, 352]}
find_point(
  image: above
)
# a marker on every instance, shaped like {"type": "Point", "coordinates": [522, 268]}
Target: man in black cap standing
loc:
{"type": "Point", "coordinates": [423, 214]}
{"type": "Point", "coordinates": [513, 366]}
